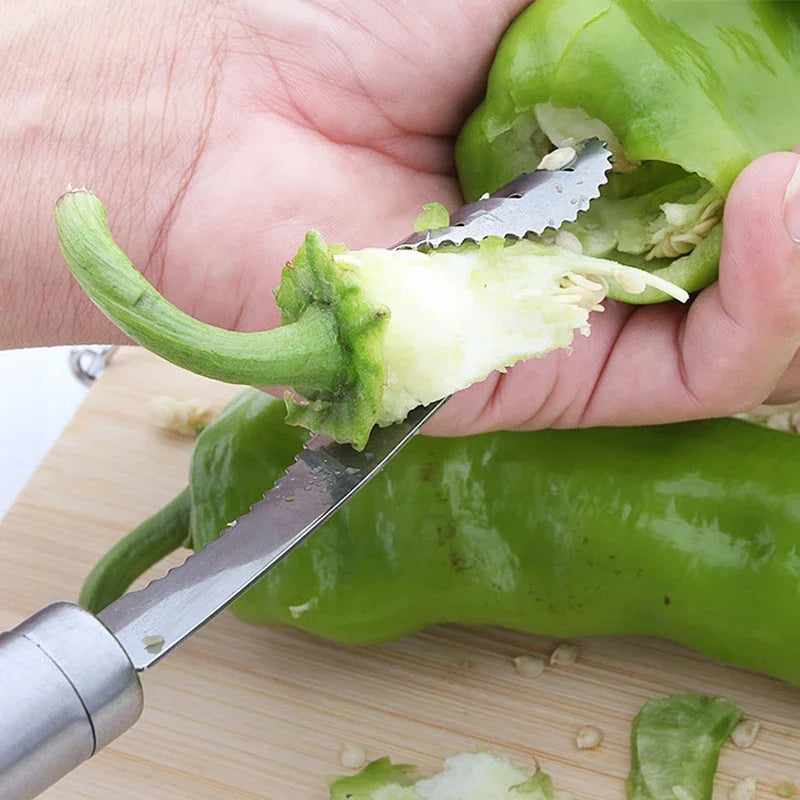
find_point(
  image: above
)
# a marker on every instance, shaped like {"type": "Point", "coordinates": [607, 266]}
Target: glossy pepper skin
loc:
{"type": "Point", "coordinates": [702, 84]}
{"type": "Point", "coordinates": [689, 532]}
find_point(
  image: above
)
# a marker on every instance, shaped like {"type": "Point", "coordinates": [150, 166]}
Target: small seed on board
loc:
{"type": "Point", "coordinates": [745, 733]}
{"type": "Point", "coordinates": [588, 737]}
{"type": "Point", "coordinates": [529, 666]}
{"type": "Point", "coordinates": [353, 756]}
{"type": "Point", "coordinates": [565, 654]}
{"type": "Point", "coordinates": [745, 789]}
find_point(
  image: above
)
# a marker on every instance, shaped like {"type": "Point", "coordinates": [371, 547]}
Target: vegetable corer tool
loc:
{"type": "Point", "coordinates": [69, 680]}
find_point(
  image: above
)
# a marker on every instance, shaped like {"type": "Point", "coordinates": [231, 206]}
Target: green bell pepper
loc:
{"type": "Point", "coordinates": [688, 531]}
{"type": "Point", "coordinates": [675, 744]}
{"type": "Point", "coordinates": [687, 93]}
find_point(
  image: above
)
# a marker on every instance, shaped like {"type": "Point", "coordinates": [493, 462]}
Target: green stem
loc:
{"type": "Point", "coordinates": [305, 353]}
{"type": "Point", "coordinates": [144, 546]}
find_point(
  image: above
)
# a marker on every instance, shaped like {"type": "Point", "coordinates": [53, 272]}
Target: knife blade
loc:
{"type": "Point", "coordinates": [531, 204]}
{"type": "Point", "coordinates": [69, 679]}
{"type": "Point", "coordinates": [152, 621]}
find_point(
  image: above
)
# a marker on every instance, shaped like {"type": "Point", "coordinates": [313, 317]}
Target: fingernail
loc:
{"type": "Point", "coordinates": [791, 205]}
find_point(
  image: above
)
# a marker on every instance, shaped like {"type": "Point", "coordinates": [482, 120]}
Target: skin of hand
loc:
{"type": "Point", "coordinates": [218, 133]}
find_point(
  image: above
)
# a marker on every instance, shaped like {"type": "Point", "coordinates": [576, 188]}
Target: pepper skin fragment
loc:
{"type": "Point", "coordinates": [675, 744]}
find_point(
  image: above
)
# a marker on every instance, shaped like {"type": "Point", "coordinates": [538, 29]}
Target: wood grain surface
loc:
{"type": "Point", "coordinates": [248, 712]}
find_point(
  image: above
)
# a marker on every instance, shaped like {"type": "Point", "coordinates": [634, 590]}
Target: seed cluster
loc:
{"type": "Point", "coordinates": [181, 416]}
{"type": "Point", "coordinates": [671, 244]}
{"type": "Point", "coordinates": [784, 418]}
{"type": "Point", "coordinates": [563, 655]}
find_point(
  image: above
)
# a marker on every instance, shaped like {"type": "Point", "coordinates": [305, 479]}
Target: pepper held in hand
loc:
{"type": "Point", "coordinates": [686, 93]}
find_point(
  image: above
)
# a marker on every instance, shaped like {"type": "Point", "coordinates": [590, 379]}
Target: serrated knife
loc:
{"type": "Point", "coordinates": [69, 679]}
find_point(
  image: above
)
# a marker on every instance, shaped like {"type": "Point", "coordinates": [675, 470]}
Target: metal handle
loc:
{"type": "Point", "coordinates": [87, 373]}
{"type": "Point", "coordinates": [67, 689]}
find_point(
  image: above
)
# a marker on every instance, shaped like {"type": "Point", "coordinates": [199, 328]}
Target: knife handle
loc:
{"type": "Point", "coordinates": [67, 688]}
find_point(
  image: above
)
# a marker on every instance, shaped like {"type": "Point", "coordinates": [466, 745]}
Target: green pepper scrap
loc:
{"type": "Point", "coordinates": [675, 744]}
{"type": "Point", "coordinates": [688, 531]}
{"type": "Point", "coordinates": [686, 94]}
{"type": "Point", "coordinates": [466, 776]}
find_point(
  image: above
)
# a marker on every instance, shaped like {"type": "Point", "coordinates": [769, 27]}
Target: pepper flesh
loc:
{"type": "Point", "coordinates": [702, 85]}
{"type": "Point", "coordinates": [675, 744]}
{"type": "Point", "coordinates": [684, 531]}
{"type": "Point", "coordinates": [466, 776]}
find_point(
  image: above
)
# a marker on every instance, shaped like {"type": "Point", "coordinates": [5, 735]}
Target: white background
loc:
{"type": "Point", "coordinates": [38, 397]}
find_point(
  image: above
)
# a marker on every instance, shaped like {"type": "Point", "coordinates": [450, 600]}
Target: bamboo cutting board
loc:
{"type": "Point", "coordinates": [247, 712]}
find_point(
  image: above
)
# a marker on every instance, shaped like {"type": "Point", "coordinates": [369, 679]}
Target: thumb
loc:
{"type": "Point", "coordinates": [743, 332]}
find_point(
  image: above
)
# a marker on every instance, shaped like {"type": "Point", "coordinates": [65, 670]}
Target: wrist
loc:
{"type": "Point", "coordinates": [119, 104]}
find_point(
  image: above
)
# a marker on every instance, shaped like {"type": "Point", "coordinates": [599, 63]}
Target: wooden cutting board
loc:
{"type": "Point", "coordinates": [247, 712]}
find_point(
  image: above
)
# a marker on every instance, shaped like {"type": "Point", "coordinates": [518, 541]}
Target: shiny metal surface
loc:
{"type": "Point", "coordinates": [530, 204]}
{"type": "Point", "coordinates": [66, 690]}
{"type": "Point", "coordinates": [151, 622]}
{"type": "Point", "coordinates": [87, 363]}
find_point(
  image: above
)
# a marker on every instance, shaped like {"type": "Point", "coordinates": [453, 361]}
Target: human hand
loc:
{"type": "Point", "coordinates": [340, 117]}
{"type": "Point", "coordinates": [732, 348]}
{"type": "Point", "coordinates": [218, 133]}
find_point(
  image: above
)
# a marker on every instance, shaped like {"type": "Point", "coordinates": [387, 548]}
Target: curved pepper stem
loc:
{"type": "Point", "coordinates": [306, 352]}
{"type": "Point", "coordinates": [134, 554]}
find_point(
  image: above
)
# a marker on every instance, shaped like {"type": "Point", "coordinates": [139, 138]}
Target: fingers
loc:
{"type": "Point", "coordinates": [788, 388]}
{"type": "Point", "coordinates": [740, 335]}
{"type": "Point", "coordinates": [726, 353]}
{"type": "Point", "coordinates": [743, 333]}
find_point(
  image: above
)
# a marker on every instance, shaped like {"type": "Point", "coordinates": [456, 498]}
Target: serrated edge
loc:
{"type": "Point", "coordinates": [442, 236]}
{"type": "Point", "coordinates": [226, 531]}
{"type": "Point", "coordinates": [133, 598]}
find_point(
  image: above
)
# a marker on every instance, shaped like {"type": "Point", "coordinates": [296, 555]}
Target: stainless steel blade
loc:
{"type": "Point", "coordinates": [152, 621]}
{"type": "Point", "coordinates": [530, 204]}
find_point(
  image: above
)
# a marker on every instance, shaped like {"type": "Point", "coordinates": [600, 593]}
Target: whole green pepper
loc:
{"type": "Point", "coordinates": [687, 89]}
{"type": "Point", "coordinates": [688, 531]}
